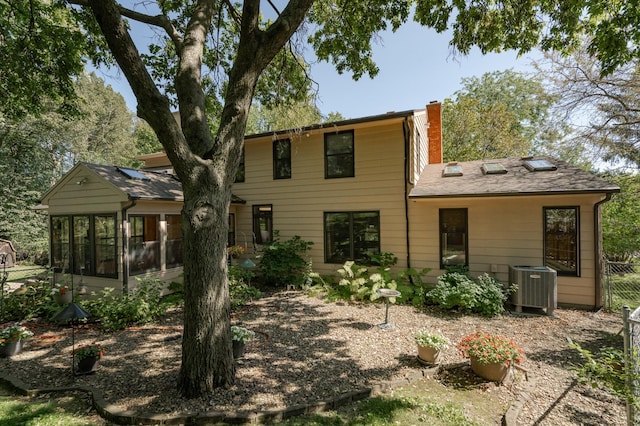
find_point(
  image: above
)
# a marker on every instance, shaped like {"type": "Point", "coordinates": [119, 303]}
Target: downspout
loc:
{"type": "Point", "coordinates": [597, 234]}
{"type": "Point", "coordinates": [406, 127]}
{"type": "Point", "coordinates": [125, 246]}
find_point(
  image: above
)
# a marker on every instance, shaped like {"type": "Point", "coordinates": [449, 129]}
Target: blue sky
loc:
{"type": "Point", "coordinates": [416, 67]}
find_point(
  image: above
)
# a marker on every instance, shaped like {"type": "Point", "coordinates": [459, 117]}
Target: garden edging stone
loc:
{"type": "Point", "coordinates": [120, 415]}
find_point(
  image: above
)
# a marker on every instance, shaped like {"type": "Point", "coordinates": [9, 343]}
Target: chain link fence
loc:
{"type": "Point", "coordinates": [631, 329]}
{"type": "Point", "coordinates": [622, 285]}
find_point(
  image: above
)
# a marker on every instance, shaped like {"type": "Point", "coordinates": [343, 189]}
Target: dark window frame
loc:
{"type": "Point", "coordinates": [173, 251]}
{"type": "Point", "coordinates": [72, 263]}
{"type": "Point", "coordinates": [443, 229]}
{"type": "Point", "coordinates": [546, 247]}
{"type": "Point", "coordinates": [282, 163]}
{"type": "Point", "coordinates": [348, 155]}
{"type": "Point", "coordinates": [156, 261]}
{"type": "Point", "coordinates": [352, 246]}
{"type": "Point", "coordinates": [260, 212]}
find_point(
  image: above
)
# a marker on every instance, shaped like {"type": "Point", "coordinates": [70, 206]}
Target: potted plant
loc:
{"type": "Point", "coordinates": [239, 337]}
{"type": "Point", "coordinates": [88, 357]}
{"type": "Point", "coordinates": [430, 344]}
{"type": "Point", "coordinates": [62, 293]}
{"type": "Point", "coordinates": [236, 251]}
{"type": "Point", "coordinates": [491, 356]}
{"type": "Point", "coordinates": [11, 338]}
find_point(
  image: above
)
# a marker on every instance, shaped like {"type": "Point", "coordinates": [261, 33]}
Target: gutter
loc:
{"type": "Point", "coordinates": [406, 128]}
{"type": "Point", "coordinates": [597, 235]}
{"type": "Point", "coordinates": [125, 246]}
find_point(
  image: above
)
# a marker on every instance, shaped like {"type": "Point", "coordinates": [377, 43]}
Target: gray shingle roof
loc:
{"type": "Point", "coordinates": [155, 186]}
{"type": "Point", "coordinates": [518, 180]}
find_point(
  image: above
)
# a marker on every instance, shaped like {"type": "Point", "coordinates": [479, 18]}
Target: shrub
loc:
{"type": "Point", "coordinates": [412, 286]}
{"type": "Point", "coordinates": [283, 264]}
{"type": "Point", "coordinates": [240, 289]}
{"type": "Point", "coordinates": [35, 302]}
{"type": "Point", "coordinates": [142, 305]}
{"type": "Point", "coordinates": [485, 295]}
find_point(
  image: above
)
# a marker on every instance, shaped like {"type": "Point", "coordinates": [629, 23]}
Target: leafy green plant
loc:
{"type": "Point", "coordinates": [283, 262]}
{"type": "Point", "coordinates": [485, 295]}
{"type": "Point", "coordinates": [413, 287]}
{"type": "Point", "coordinates": [240, 289]}
{"type": "Point", "coordinates": [241, 334]}
{"type": "Point", "coordinates": [607, 368]}
{"type": "Point", "coordinates": [490, 348]}
{"type": "Point", "coordinates": [94, 350]}
{"type": "Point", "coordinates": [32, 301]}
{"type": "Point", "coordinates": [14, 333]}
{"type": "Point", "coordinates": [432, 339]}
{"type": "Point", "coordinates": [142, 305]}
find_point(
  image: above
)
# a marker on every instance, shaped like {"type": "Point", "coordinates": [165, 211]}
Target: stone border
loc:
{"type": "Point", "coordinates": [119, 415]}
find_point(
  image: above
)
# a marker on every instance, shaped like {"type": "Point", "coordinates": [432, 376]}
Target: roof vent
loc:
{"type": "Point", "coordinates": [452, 169]}
{"type": "Point", "coordinates": [493, 169]}
{"type": "Point", "coordinates": [540, 165]}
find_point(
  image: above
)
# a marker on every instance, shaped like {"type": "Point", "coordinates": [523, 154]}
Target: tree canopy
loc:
{"type": "Point", "coordinates": [602, 110]}
{"type": "Point", "coordinates": [500, 114]}
{"type": "Point", "coordinates": [210, 58]}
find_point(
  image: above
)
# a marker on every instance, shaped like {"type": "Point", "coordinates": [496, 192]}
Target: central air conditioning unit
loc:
{"type": "Point", "coordinates": [537, 287]}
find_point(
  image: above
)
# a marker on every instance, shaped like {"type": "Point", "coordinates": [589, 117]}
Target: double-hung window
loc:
{"type": "Point", "coordinates": [351, 236]}
{"type": "Point", "coordinates": [282, 159]}
{"type": "Point", "coordinates": [561, 248]}
{"type": "Point", "coordinates": [453, 238]}
{"type": "Point", "coordinates": [338, 155]}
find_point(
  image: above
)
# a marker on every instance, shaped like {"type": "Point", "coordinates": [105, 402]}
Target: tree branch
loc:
{"type": "Point", "coordinates": [161, 21]}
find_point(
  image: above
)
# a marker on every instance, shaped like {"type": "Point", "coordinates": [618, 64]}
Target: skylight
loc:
{"type": "Point", "coordinates": [493, 169]}
{"type": "Point", "coordinates": [538, 165]}
{"type": "Point", "coordinates": [452, 169]}
{"type": "Point", "coordinates": [133, 174]}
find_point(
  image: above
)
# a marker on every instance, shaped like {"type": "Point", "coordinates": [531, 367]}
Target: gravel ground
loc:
{"type": "Point", "coordinates": [308, 350]}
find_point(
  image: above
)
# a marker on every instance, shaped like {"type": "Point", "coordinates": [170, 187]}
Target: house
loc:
{"type": "Point", "coordinates": [354, 188]}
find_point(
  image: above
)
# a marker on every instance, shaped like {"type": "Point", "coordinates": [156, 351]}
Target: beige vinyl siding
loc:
{"type": "Point", "coordinates": [299, 203]}
{"type": "Point", "coordinates": [505, 231]}
{"type": "Point", "coordinates": [94, 195]}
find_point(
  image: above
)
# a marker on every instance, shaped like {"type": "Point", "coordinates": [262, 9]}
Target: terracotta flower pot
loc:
{"type": "Point", "coordinates": [11, 349]}
{"type": "Point", "coordinates": [496, 372]}
{"type": "Point", "coordinates": [429, 354]}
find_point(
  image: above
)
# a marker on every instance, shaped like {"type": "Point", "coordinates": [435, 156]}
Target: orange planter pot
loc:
{"type": "Point", "coordinates": [496, 372]}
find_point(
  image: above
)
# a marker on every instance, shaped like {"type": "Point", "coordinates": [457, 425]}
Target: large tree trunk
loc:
{"type": "Point", "coordinates": [207, 357]}
{"type": "Point", "coordinates": [206, 166]}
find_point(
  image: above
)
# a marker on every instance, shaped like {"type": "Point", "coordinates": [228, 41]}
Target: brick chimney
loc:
{"type": "Point", "coordinates": [434, 131]}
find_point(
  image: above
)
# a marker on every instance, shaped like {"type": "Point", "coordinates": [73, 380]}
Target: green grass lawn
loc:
{"type": "Point", "coordinates": [422, 402]}
{"type": "Point", "coordinates": [69, 409]}
{"type": "Point", "coordinates": [425, 402]}
{"type": "Point", "coordinates": [22, 273]}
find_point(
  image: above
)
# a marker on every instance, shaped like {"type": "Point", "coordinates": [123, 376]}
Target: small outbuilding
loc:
{"type": "Point", "coordinates": [7, 254]}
